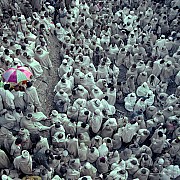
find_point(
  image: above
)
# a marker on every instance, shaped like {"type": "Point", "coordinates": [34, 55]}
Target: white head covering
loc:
{"type": "Point", "coordinates": [161, 161]}
{"type": "Point", "coordinates": [143, 89]}
{"type": "Point", "coordinates": [87, 165]}
{"type": "Point", "coordinates": [65, 153]}
{"type": "Point", "coordinates": [4, 177]}
{"type": "Point", "coordinates": [54, 113]}
{"type": "Point", "coordinates": [25, 154]}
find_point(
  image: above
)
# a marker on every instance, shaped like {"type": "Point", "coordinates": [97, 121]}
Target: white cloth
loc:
{"type": "Point", "coordinates": [130, 101]}
{"type": "Point", "coordinates": [143, 90]}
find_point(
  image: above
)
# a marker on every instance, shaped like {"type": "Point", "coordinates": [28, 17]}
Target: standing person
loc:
{"type": "Point", "coordinates": [37, 5]}
{"type": "Point", "coordinates": [31, 96]}
{"type": "Point", "coordinates": [63, 16]}
{"type": "Point", "coordinates": [58, 4]}
{"type": "Point", "coordinates": [8, 97]}
{"type": "Point", "coordinates": [23, 163]}
{"type": "Point", "coordinates": [102, 165]}
{"type": "Point", "coordinates": [42, 158]}
{"type": "Point", "coordinates": [18, 98]}
{"type": "Point", "coordinates": [72, 145]}
{"type": "Point", "coordinates": [158, 142]}
{"type": "Point", "coordinates": [68, 4]}
{"type": "Point", "coordinates": [42, 56]}
{"type": "Point", "coordinates": [16, 148]}
{"type": "Point", "coordinates": [4, 160]}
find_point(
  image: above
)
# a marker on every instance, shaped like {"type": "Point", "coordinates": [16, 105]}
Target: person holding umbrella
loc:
{"type": "Point", "coordinates": [17, 75]}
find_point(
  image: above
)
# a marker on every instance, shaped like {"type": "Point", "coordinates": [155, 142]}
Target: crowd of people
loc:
{"type": "Point", "coordinates": [116, 105]}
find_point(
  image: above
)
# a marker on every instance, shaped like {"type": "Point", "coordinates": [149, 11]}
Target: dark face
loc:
{"type": "Point", "coordinates": [5, 40]}
{"type": "Point", "coordinates": [18, 52]}
{"type": "Point", "coordinates": [26, 40]}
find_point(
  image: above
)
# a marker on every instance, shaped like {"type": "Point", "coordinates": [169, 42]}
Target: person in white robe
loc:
{"type": "Point", "coordinates": [129, 131]}
{"type": "Point", "coordinates": [59, 140]}
{"type": "Point", "coordinates": [110, 109]}
{"type": "Point", "coordinates": [82, 127]}
{"type": "Point", "coordinates": [132, 165]}
{"type": "Point", "coordinates": [174, 149]}
{"type": "Point", "coordinates": [140, 105]}
{"type": "Point", "coordinates": [70, 78]}
{"type": "Point", "coordinates": [4, 160]}
{"type": "Point", "coordinates": [77, 74]}
{"type": "Point", "coordinates": [79, 103]}
{"type": "Point", "coordinates": [157, 67]}
{"type": "Point", "coordinates": [18, 98]}
{"type": "Point", "coordinates": [102, 84]}
{"type": "Point", "coordinates": [90, 81]}
{"type": "Point", "coordinates": [111, 93]}
{"type": "Point", "coordinates": [28, 122]}
{"type": "Point", "coordinates": [60, 32]}
{"type": "Point", "coordinates": [140, 66]}
{"type": "Point", "coordinates": [94, 104]}
{"type": "Point", "coordinates": [31, 96]}
{"type": "Point", "coordinates": [61, 95]}
{"type": "Point", "coordinates": [117, 142]}
{"type": "Point", "coordinates": [171, 100]}
{"type": "Point", "coordinates": [96, 93]}
{"type": "Point", "coordinates": [7, 97]}
{"type": "Point", "coordinates": [142, 78]}
{"type": "Point", "coordinates": [150, 98]}
{"type": "Point", "coordinates": [167, 71]}
{"type": "Point", "coordinates": [7, 120]}
{"type": "Point", "coordinates": [23, 163]}
{"type": "Point", "coordinates": [65, 85]}
{"type": "Point", "coordinates": [150, 111]}
{"type": "Point", "coordinates": [64, 68]}
{"type": "Point", "coordinates": [34, 66]}
{"type": "Point", "coordinates": [102, 71]}
{"type": "Point", "coordinates": [72, 145]}
{"type": "Point", "coordinates": [72, 174]}
{"type": "Point", "coordinates": [130, 101]}
{"type": "Point", "coordinates": [132, 71]}
{"type": "Point", "coordinates": [177, 78]}
{"type": "Point", "coordinates": [96, 121]}
{"type": "Point", "coordinates": [82, 152]}
{"type": "Point", "coordinates": [158, 142]}
{"type": "Point", "coordinates": [152, 82]}
{"type": "Point", "coordinates": [171, 171]}
{"type": "Point", "coordinates": [143, 90]}
{"type": "Point", "coordinates": [142, 135]}
{"type": "Point", "coordinates": [102, 165]}
{"type": "Point", "coordinates": [43, 58]}
{"type": "Point", "coordinates": [142, 173]}
{"type": "Point", "coordinates": [88, 170]}
{"type": "Point", "coordinates": [92, 154]}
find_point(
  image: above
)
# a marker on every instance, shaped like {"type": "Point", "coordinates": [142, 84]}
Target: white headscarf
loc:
{"type": "Point", "coordinates": [130, 101]}
{"type": "Point", "coordinates": [143, 90]}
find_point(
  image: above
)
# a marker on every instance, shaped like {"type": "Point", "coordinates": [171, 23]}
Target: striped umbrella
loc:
{"type": "Point", "coordinates": [17, 75]}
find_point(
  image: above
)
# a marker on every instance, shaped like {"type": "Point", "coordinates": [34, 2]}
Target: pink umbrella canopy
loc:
{"type": "Point", "coordinates": [17, 75]}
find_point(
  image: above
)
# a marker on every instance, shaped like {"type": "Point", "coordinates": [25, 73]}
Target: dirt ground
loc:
{"type": "Point", "coordinates": [45, 90]}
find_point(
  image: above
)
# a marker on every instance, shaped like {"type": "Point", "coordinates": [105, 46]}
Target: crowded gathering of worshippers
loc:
{"type": "Point", "coordinates": [115, 111]}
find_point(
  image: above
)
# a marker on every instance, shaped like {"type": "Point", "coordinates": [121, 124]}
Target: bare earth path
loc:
{"type": "Point", "coordinates": [45, 91]}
